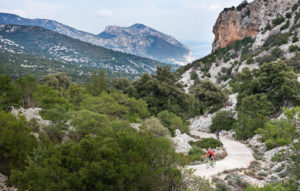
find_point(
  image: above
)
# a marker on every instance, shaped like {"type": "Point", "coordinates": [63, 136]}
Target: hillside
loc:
{"type": "Point", "coordinates": [137, 39]}
{"type": "Point", "coordinates": [255, 60]}
{"type": "Point", "coordinates": [44, 43]}
{"type": "Point", "coordinates": [246, 37]}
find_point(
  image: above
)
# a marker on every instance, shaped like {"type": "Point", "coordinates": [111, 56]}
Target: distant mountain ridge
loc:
{"type": "Point", "coordinates": [137, 39]}
{"type": "Point", "coordinates": [45, 43]}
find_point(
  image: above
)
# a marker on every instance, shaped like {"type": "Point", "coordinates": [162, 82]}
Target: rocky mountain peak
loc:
{"type": "Point", "coordinates": [247, 20]}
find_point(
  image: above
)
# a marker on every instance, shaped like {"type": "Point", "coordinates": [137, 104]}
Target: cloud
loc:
{"type": "Point", "coordinates": [19, 12]}
{"type": "Point", "coordinates": [104, 13]}
{"type": "Point", "coordinates": [32, 8]}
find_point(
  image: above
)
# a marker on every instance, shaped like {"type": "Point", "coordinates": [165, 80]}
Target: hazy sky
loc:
{"type": "Point", "coordinates": [186, 20]}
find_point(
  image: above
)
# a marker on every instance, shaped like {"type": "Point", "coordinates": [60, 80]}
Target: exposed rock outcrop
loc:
{"type": "Point", "coordinates": [247, 21]}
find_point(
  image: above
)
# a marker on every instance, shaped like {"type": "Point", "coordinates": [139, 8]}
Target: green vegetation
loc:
{"type": "Point", "coordinates": [206, 143]}
{"type": "Point", "coordinates": [277, 40]}
{"type": "Point", "coordinates": [285, 186]}
{"type": "Point", "coordinates": [223, 120]}
{"type": "Point", "coordinates": [261, 93]}
{"type": "Point", "coordinates": [162, 92]}
{"type": "Point", "coordinates": [280, 132]}
{"type": "Point", "coordinates": [278, 21]}
{"type": "Point", "coordinates": [99, 118]}
{"type": "Point", "coordinates": [172, 122]}
{"type": "Point", "coordinates": [16, 142]}
{"type": "Point", "coordinates": [209, 95]}
{"type": "Point", "coordinates": [125, 160]}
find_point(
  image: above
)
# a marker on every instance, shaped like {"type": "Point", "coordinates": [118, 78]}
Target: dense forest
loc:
{"type": "Point", "coordinates": [89, 143]}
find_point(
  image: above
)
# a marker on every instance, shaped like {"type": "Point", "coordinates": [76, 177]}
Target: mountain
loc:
{"type": "Point", "coordinates": [44, 43]}
{"type": "Point", "coordinates": [247, 36]}
{"type": "Point", "coordinates": [137, 39]}
{"type": "Point", "coordinates": [145, 41]}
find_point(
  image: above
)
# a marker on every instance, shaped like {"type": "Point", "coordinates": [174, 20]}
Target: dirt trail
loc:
{"type": "Point", "coordinates": [239, 156]}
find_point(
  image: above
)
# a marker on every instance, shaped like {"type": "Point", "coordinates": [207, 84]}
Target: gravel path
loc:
{"type": "Point", "coordinates": [238, 156]}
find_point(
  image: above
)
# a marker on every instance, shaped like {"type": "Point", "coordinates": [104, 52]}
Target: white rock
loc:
{"type": "Point", "coordinates": [181, 142]}
{"type": "Point", "coordinates": [31, 113]}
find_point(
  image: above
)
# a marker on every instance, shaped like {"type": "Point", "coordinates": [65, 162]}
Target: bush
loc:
{"type": "Point", "coordinates": [277, 133]}
{"type": "Point", "coordinates": [288, 15]}
{"type": "Point", "coordinates": [295, 39]}
{"type": "Point", "coordinates": [285, 26]}
{"type": "Point", "coordinates": [277, 40]}
{"type": "Point", "coordinates": [293, 48]}
{"type": "Point", "coordinates": [278, 21]}
{"type": "Point", "coordinates": [265, 59]}
{"type": "Point", "coordinates": [208, 142]}
{"type": "Point", "coordinates": [196, 154]}
{"type": "Point", "coordinates": [154, 125]}
{"type": "Point", "coordinates": [172, 122]}
{"type": "Point", "coordinates": [277, 52]}
{"type": "Point", "coordinates": [242, 5]}
{"type": "Point", "coordinates": [295, 7]}
{"type": "Point", "coordinates": [127, 160]}
{"type": "Point", "coordinates": [16, 142]}
{"type": "Point", "coordinates": [250, 61]}
{"type": "Point", "coordinates": [223, 120]}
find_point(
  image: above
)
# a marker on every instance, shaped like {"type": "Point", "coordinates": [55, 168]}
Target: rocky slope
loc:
{"type": "Point", "coordinates": [137, 39]}
{"type": "Point", "coordinates": [44, 43]}
{"type": "Point", "coordinates": [247, 20]}
{"type": "Point", "coordinates": [246, 38]}
{"type": "Point", "coordinates": [145, 41]}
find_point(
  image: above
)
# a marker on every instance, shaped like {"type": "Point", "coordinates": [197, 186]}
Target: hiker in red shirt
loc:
{"type": "Point", "coordinates": [210, 154]}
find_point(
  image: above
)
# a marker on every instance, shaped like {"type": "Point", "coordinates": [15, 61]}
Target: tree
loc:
{"type": "Point", "coordinates": [276, 80]}
{"type": "Point", "coordinates": [154, 126]}
{"type": "Point", "coordinates": [59, 81]}
{"type": "Point", "coordinates": [123, 84]}
{"type": "Point", "coordinates": [98, 83]}
{"type": "Point", "coordinates": [209, 94]}
{"type": "Point", "coordinates": [88, 122]}
{"type": "Point", "coordinates": [8, 93]}
{"type": "Point", "coordinates": [127, 160]}
{"type": "Point", "coordinates": [162, 92]}
{"type": "Point", "coordinates": [75, 94]}
{"type": "Point", "coordinates": [172, 122]}
{"type": "Point", "coordinates": [26, 87]}
{"type": "Point", "coordinates": [223, 120]}
{"type": "Point", "coordinates": [16, 142]}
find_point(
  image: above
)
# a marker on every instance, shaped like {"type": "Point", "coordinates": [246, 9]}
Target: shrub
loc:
{"type": "Point", "coordinates": [208, 142]}
{"type": "Point", "coordinates": [154, 125]}
{"type": "Point", "coordinates": [172, 122]}
{"type": "Point", "coordinates": [264, 59]}
{"type": "Point", "coordinates": [277, 52]}
{"type": "Point", "coordinates": [295, 7]}
{"type": "Point", "coordinates": [242, 5]}
{"type": "Point", "coordinates": [196, 154]}
{"type": "Point", "coordinates": [277, 133]}
{"type": "Point", "coordinates": [250, 61]}
{"type": "Point", "coordinates": [293, 48]}
{"type": "Point", "coordinates": [194, 75]}
{"type": "Point", "coordinates": [285, 26]}
{"type": "Point", "coordinates": [223, 120]}
{"type": "Point", "coordinates": [16, 142]}
{"type": "Point", "coordinates": [288, 15]}
{"type": "Point", "coordinates": [278, 21]}
{"type": "Point", "coordinates": [277, 40]}
{"type": "Point", "coordinates": [295, 39]}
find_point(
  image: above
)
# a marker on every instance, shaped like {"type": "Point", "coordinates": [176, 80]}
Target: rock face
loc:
{"type": "Point", "coordinates": [145, 41]}
{"type": "Point", "coordinates": [246, 20]}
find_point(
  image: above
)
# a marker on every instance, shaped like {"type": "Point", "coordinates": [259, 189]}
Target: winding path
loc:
{"type": "Point", "coordinates": [238, 156]}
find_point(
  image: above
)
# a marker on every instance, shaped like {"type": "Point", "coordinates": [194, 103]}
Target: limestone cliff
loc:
{"type": "Point", "coordinates": [246, 20]}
